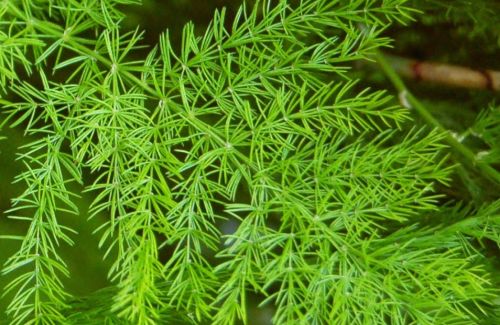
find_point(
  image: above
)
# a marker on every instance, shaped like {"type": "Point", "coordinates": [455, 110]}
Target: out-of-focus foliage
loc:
{"type": "Point", "coordinates": [487, 128]}
{"type": "Point", "coordinates": [472, 18]}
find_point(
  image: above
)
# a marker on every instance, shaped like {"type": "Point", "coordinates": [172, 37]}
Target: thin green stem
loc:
{"type": "Point", "coordinates": [469, 156]}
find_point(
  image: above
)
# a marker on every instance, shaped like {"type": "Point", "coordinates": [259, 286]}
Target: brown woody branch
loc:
{"type": "Point", "coordinates": [447, 74]}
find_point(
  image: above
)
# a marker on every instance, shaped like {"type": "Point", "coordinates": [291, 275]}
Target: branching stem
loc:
{"type": "Point", "coordinates": [130, 77]}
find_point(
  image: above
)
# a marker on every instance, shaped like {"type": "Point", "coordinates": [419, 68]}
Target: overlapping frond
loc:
{"type": "Point", "coordinates": [250, 157]}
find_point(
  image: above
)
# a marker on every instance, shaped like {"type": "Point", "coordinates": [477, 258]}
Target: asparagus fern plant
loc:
{"type": "Point", "coordinates": [246, 164]}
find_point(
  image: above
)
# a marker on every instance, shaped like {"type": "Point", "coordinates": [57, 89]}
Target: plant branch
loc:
{"type": "Point", "coordinates": [470, 157]}
{"type": "Point", "coordinates": [451, 75]}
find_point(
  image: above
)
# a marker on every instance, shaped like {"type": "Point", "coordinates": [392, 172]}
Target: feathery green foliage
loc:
{"type": "Point", "coordinates": [487, 128]}
{"type": "Point", "coordinates": [478, 18]}
{"type": "Point", "coordinates": [247, 163]}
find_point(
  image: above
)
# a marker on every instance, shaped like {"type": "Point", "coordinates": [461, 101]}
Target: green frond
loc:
{"type": "Point", "coordinates": [245, 163]}
{"type": "Point", "coordinates": [39, 293]}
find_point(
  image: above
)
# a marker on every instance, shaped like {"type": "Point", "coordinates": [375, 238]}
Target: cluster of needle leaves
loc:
{"type": "Point", "coordinates": [248, 163]}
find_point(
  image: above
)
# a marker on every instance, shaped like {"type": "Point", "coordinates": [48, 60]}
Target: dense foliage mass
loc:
{"type": "Point", "coordinates": [246, 165]}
